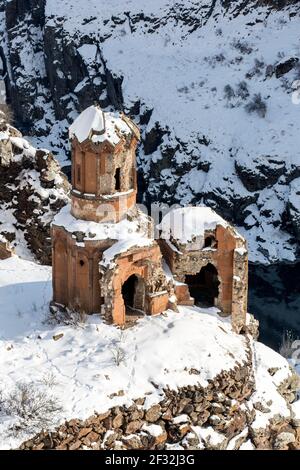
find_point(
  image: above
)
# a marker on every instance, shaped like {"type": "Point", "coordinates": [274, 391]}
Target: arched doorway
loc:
{"type": "Point", "coordinates": [204, 286]}
{"type": "Point", "coordinates": [133, 292]}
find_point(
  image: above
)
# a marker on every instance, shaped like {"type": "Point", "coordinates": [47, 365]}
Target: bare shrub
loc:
{"type": "Point", "coordinates": [242, 46]}
{"type": "Point", "coordinates": [117, 351]}
{"type": "Point", "coordinates": [8, 112]}
{"type": "Point", "coordinates": [257, 69]}
{"type": "Point", "coordinates": [32, 408]}
{"type": "Point", "coordinates": [49, 380]}
{"type": "Point", "coordinates": [228, 92]}
{"type": "Point", "coordinates": [257, 105]}
{"type": "Point", "coordinates": [242, 90]}
{"type": "Point", "coordinates": [286, 347]}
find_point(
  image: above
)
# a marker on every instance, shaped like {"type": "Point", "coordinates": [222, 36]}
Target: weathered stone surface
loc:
{"type": "Point", "coordinates": [153, 414]}
{"type": "Point", "coordinates": [5, 250]}
{"type": "Point", "coordinates": [34, 189]}
{"type": "Point", "coordinates": [133, 427]}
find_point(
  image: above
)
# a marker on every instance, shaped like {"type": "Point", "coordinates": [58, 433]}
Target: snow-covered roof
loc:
{"type": "Point", "coordinates": [99, 127]}
{"type": "Point", "coordinates": [123, 245]}
{"type": "Point", "coordinates": [184, 224]}
{"type": "Point", "coordinates": [125, 229]}
{"type": "Point", "coordinates": [90, 121]}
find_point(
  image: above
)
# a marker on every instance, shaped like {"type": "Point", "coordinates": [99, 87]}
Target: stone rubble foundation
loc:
{"type": "Point", "coordinates": [216, 417]}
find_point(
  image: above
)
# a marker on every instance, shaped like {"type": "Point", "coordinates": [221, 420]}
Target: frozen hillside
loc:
{"type": "Point", "coordinates": [213, 85]}
{"type": "Point", "coordinates": [158, 384]}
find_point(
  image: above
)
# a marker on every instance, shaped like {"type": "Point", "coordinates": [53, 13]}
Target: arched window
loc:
{"type": "Point", "coordinates": [78, 174]}
{"type": "Point", "coordinates": [118, 179]}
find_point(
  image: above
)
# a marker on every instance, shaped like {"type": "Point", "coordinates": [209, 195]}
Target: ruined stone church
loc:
{"type": "Point", "coordinates": [105, 257]}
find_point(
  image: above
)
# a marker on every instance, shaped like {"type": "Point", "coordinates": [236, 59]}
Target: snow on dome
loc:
{"type": "Point", "coordinates": [187, 223]}
{"type": "Point", "coordinates": [98, 126]}
{"type": "Point", "coordinates": [90, 121]}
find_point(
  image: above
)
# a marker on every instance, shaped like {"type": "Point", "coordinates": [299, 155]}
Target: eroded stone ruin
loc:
{"type": "Point", "coordinates": [105, 257]}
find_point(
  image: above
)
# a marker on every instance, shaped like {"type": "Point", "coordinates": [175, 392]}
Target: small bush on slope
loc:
{"type": "Point", "coordinates": [257, 105]}
{"type": "Point", "coordinates": [286, 348]}
{"type": "Point", "coordinates": [31, 408]}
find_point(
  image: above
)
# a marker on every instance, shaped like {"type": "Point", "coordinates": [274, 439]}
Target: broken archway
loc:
{"type": "Point", "coordinates": [133, 293]}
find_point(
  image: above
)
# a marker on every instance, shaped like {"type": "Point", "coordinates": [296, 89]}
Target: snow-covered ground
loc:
{"type": "Point", "coordinates": [80, 368]}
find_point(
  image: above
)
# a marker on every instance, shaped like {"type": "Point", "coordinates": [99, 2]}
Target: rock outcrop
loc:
{"type": "Point", "coordinates": [32, 190]}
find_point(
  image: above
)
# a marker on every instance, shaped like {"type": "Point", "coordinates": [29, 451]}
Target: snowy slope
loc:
{"type": "Point", "coordinates": [80, 368]}
{"type": "Point", "coordinates": [189, 73]}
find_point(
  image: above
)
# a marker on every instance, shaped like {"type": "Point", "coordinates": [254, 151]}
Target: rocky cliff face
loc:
{"type": "Point", "coordinates": [213, 87]}
{"type": "Point", "coordinates": [32, 190]}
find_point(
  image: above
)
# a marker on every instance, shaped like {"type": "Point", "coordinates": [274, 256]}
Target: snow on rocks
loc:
{"type": "Point", "coordinates": [33, 189]}
{"type": "Point", "coordinates": [296, 413]}
{"type": "Point", "coordinates": [197, 127]}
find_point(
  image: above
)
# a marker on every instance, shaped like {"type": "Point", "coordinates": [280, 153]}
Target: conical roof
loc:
{"type": "Point", "coordinates": [91, 121]}
{"type": "Point", "coordinates": [100, 126]}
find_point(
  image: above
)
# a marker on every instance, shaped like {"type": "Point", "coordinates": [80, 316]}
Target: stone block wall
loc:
{"type": "Point", "coordinates": [76, 271]}
{"type": "Point", "coordinates": [232, 268]}
{"type": "Point", "coordinates": [239, 289]}
{"type": "Point", "coordinates": [103, 179]}
{"type": "Point", "coordinates": [145, 263]}
{"type": "Point", "coordinates": [102, 209]}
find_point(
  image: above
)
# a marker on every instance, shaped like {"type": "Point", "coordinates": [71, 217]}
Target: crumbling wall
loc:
{"type": "Point", "coordinates": [228, 254]}
{"type": "Point", "coordinates": [239, 288]}
{"type": "Point", "coordinates": [144, 263]}
{"type": "Point", "coordinates": [75, 270]}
